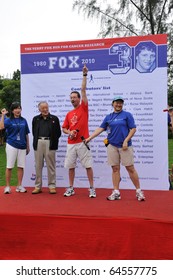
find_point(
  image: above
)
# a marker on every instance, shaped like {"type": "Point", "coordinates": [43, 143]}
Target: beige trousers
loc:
{"type": "Point", "coordinates": [43, 153]}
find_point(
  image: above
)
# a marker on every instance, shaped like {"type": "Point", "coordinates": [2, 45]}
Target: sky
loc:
{"type": "Point", "coordinates": [39, 21]}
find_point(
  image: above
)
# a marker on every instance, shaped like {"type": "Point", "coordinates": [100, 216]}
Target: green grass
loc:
{"type": "Point", "coordinates": [3, 167]}
{"type": "Point", "coordinates": [14, 172]}
{"type": "Point", "coordinates": [170, 151]}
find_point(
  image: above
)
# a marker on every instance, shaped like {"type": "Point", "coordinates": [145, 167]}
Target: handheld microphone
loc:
{"type": "Point", "coordinates": [85, 143]}
{"type": "Point", "coordinates": [71, 137]}
{"type": "Point", "coordinates": [167, 110]}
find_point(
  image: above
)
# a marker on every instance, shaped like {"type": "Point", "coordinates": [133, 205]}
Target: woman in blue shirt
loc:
{"type": "Point", "coordinates": [121, 127]}
{"type": "Point", "coordinates": [17, 144]}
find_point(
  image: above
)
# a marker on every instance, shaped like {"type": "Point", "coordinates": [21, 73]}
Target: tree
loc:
{"type": "Point", "coordinates": [16, 75]}
{"type": "Point", "coordinates": [121, 17]}
{"type": "Point", "coordinates": [130, 17]}
{"type": "Point", "coordinates": [10, 91]}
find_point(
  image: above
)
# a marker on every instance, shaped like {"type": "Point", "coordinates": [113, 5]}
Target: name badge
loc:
{"type": "Point", "coordinates": [18, 136]}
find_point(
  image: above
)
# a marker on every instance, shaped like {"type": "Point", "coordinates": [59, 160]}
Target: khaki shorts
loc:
{"type": "Point", "coordinates": [80, 151]}
{"type": "Point", "coordinates": [118, 155]}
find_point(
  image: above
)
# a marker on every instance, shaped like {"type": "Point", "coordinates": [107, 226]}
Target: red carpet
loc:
{"type": "Point", "coordinates": [46, 226]}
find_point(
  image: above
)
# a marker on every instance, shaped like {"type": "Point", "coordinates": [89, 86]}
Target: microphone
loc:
{"type": "Point", "coordinates": [71, 137]}
{"type": "Point", "coordinates": [167, 110]}
{"type": "Point", "coordinates": [85, 143]}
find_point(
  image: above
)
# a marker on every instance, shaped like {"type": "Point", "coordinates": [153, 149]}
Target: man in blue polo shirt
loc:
{"type": "Point", "coordinates": [120, 126]}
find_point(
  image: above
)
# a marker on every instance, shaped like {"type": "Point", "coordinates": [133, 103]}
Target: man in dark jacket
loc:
{"type": "Point", "coordinates": [46, 133]}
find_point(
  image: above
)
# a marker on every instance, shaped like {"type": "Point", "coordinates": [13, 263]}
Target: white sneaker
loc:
{"type": "Point", "coordinates": [69, 192]}
{"type": "Point", "coordinates": [21, 189]}
{"type": "Point", "coordinates": [114, 196]}
{"type": "Point", "coordinates": [140, 196]}
{"type": "Point", "coordinates": [7, 190]}
{"type": "Point", "coordinates": [92, 193]}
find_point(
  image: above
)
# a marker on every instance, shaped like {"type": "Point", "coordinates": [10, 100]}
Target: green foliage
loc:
{"type": "Point", "coordinates": [16, 75]}
{"type": "Point", "coordinates": [170, 150]}
{"type": "Point", "coordinates": [3, 167]}
{"type": "Point", "coordinates": [1, 86]}
{"type": "Point", "coordinates": [170, 96]}
{"type": "Point", "coordinates": [129, 18]}
{"type": "Point", "coordinates": [170, 135]}
{"type": "Point", "coordinates": [10, 90]}
{"type": "Point", "coordinates": [152, 17]}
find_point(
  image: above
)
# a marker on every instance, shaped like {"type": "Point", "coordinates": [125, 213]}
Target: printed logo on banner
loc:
{"type": "Point", "coordinates": [33, 176]}
{"type": "Point", "coordinates": [122, 57]}
{"type": "Point", "coordinates": [118, 59]}
{"type": "Point", "coordinates": [145, 57]}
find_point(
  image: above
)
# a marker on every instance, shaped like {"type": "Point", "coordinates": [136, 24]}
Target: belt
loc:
{"type": "Point", "coordinates": [44, 138]}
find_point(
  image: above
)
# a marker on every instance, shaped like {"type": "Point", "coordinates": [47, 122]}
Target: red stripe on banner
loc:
{"type": "Point", "coordinates": [89, 44]}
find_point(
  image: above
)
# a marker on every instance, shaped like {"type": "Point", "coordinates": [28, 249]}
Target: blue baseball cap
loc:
{"type": "Point", "coordinates": [116, 98]}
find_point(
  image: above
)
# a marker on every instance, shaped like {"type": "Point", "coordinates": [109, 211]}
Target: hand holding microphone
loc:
{"type": "Point", "coordinates": [168, 109]}
{"type": "Point", "coordinates": [83, 139]}
{"type": "Point", "coordinates": [73, 133]}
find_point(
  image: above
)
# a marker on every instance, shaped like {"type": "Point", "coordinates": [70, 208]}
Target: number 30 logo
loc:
{"type": "Point", "coordinates": [121, 56]}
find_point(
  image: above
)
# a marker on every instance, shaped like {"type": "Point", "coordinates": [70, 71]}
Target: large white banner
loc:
{"type": "Point", "coordinates": [135, 68]}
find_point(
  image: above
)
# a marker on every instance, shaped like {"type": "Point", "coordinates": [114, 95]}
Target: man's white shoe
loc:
{"type": "Point", "coordinates": [92, 193]}
{"type": "Point", "coordinates": [140, 195]}
{"type": "Point", "coordinates": [114, 196]}
{"type": "Point", "coordinates": [21, 189]}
